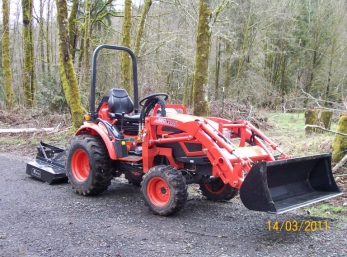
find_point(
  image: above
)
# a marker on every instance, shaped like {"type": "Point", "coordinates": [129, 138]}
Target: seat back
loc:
{"type": "Point", "coordinates": [119, 101]}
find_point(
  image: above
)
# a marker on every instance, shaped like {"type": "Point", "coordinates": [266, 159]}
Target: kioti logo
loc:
{"type": "Point", "coordinates": [36, 173]}
{"type": "Point", "coordinates": [165, 121]}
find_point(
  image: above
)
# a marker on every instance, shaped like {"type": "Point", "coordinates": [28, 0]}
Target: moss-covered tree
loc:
{"type": "Point", "coordinates": [126, 61]}
{"type": "Point", "coordinates": [73, 27]}
{"type": "Point", "coordinates": [67, 71]}
{"type": "Point", "coordinates": [203, 43]}
{"type": "Point", "coordinates": [140, 29]}
{"type": "Point", "coordinates": [28, 45]}
{"type": "Point", "coordinates": [340, 142]}
{"type": "Point", "coordinates": [326, 118]}
{"type": "Point", "coordinates": [6, 57]}
{"type": "Point", "coordinates": [310, 119]}
{"type": "Point", "coordinates": [86, 43]}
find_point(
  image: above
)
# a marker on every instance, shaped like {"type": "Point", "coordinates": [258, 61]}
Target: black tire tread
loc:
{"type": "Point", "coordinates": [101, 172]}
{"type": "Point", "coordinates": [178, 189]}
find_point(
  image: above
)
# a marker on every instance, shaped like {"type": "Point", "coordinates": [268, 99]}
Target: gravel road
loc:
{"type": "Point", "coordinates": [37, 219]}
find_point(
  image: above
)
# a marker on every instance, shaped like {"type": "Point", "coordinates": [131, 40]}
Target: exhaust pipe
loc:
{"type": "Point", "coordinates": [285, 185]}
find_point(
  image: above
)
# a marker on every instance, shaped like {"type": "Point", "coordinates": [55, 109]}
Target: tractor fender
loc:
{"type": "Point", "coordinates": [96, 129]}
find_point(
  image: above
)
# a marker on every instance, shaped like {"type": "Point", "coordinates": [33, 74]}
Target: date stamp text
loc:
{"type": "Point", "coordinates": [297, 226]}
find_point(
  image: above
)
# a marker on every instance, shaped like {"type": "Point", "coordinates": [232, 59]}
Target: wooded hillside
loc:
{"type": "Point", "coordinates": [276, 54]}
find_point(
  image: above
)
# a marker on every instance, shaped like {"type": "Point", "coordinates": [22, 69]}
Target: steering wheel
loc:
{"type": "Point", "coordinates": [143, 100]}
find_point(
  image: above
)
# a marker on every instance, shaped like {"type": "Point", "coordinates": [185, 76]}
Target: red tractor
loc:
{"type": "Point", "coordinates": [164, 149]}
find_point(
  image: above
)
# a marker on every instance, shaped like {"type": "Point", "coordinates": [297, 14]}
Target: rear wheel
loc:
{"type": "Point", "coordinates": [164, 190]}
{"type": "Point", "coordinates": [218, 191]}
{"type": "Point", "coordinates": [88, 165]}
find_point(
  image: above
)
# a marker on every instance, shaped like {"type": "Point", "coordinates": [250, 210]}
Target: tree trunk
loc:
{"type": "Point", "coordinates": [67, 71]}
{"type": "Point", "coordinates": [186, 86]}
{"type": "Point", "coordinates": [227, 81]}
{"type": "Point", "coordinates": [203, 43]}
{"type": "Point", "coordinates": [6, 56]}
{"type": "Point", "coordinates": [28, 72]}
{"type": "Point", "coordinates": [126, 62]}
{"type": "Point", "coordinates": [42, 36]}
{"type": "Point", "coordinates": [310, 119]}
{"type": "Point", "coordinates": [216, 79]}
{"type": "Point", "coordinates": [340, 142]}
{"type": "Point", "coordinates": [326, 118]}
{"type": "Point", "coordinates": [310, 82]}
{"type": "Point", "coordinates": [73, 28]}
{"type": "Point", "coordinates": [48, 44]}
{"type": "Point", "coordinates": [86, 74]}
{"type": "Point", "coordinates": [145, 10]}
{"type": "Point", "coordinates": [283, 75]}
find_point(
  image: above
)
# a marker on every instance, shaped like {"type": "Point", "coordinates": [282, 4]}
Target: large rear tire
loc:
{"type": "Point", "coordinates": [164, 190]}
{"type": "Point", "coordinates": [88, 165]}
{"type": "Point", "coordinates": [218, 191]}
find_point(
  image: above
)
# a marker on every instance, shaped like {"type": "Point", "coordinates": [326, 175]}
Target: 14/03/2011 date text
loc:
{"type": "Point", "coordinates": [296, 226]}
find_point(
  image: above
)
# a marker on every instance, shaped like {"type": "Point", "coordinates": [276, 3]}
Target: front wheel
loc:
{"type": "Point", "coordinates": [218, 191]}
{"type": "Point", "coordinates": [88, 165]}
{"type": "Point", "coordinates": [164, 190]}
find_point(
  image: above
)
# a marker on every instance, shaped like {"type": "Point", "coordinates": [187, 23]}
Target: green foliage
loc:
{"type": "Point", "coordinates": [50, 95]}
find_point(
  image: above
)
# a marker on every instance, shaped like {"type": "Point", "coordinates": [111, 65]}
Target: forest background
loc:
{"type": "Point", "coordinates": [275, 54]}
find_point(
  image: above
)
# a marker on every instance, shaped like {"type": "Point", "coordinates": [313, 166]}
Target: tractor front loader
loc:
{"type": "Point", "coordinates": [162, 148]}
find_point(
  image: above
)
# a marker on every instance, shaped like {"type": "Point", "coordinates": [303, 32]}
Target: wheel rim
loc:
{"type": "Point", "coordinates": [80, 165]}
{"type": "Point", "coordinates": [158, 191]}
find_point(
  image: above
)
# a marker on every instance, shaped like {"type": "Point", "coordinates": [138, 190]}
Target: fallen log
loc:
{"type": "Point", "coordinates": [27, 130]}
{"type": "Point", "coordinates": [24, 130]}
{"type": "Point", "coordinates": [328, 130]}
{"type": "Point", "coordinates": [340, 163]}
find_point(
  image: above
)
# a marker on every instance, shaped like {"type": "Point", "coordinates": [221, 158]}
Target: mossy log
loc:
{"type": "Point", "coordinates": [340, 142]}
{"type": "Point", "coordinates": [325, 118]}
{"type": "Point", "coordinates": [310, 119]}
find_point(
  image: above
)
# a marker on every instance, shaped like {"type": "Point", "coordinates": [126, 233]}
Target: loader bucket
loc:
{"type": "Point", "coordinates": [281, 186]}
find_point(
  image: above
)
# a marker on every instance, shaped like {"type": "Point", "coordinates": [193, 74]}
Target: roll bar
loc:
{"type": "Point", "coordinates": [93, 76]}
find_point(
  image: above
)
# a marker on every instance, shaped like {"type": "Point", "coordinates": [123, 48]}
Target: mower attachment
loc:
{"type": "Point", "coordinates": [281, 186]}
{"type": "Point", "coordinates": [46, 166]}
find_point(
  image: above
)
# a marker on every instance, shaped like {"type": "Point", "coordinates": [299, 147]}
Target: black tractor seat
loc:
{"type": "Point", "coordinates": [118, 116]}
{"type": "Point", "coordinates": [120, 104]}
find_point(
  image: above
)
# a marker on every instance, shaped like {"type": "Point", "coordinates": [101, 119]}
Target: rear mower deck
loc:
{"type": "Point", "coordinates": [49, 164]}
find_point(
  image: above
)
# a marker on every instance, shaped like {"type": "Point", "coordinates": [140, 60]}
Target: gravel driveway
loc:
{"type": "Point", "coordinates": [37, 219]}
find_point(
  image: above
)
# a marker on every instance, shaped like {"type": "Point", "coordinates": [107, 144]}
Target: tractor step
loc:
{"type": "Point", "coordinates": [49, 165]}
{"type": "Point", "coordinates": [281, 186]}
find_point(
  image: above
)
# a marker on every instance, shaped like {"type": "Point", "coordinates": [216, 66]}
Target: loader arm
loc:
{"type": "Point", "coordinates": [228, 162]}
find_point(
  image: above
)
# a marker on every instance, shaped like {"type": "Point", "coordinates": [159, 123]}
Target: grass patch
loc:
{"type": "Point", "coordinates": [289, 133]}
{"type": "Point", "coordinates": [12, 141]}
{"type": "Point", "coordinates": [326, 210]}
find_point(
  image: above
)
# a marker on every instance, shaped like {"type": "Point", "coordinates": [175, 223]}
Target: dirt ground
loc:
{"type": "Point", "coordinates": [37, 219]}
